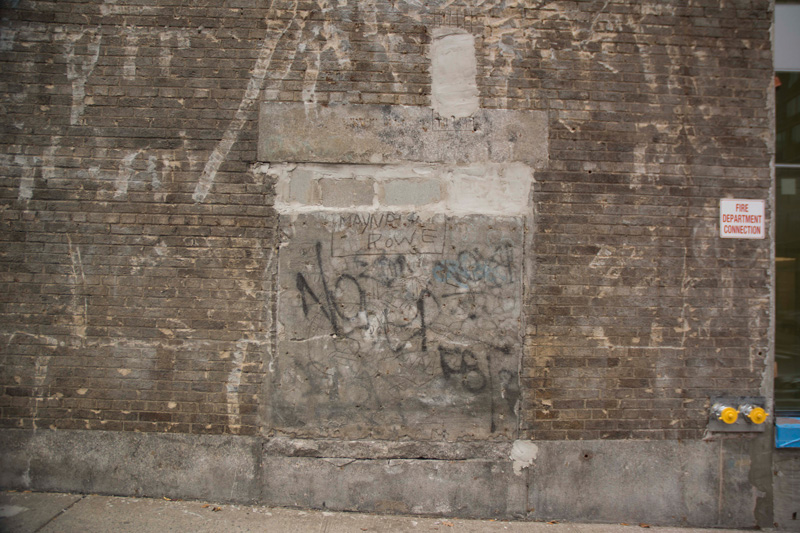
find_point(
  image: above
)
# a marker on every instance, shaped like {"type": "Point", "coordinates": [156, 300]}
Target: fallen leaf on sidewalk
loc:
{"type": "Point", "coordinates": [215, 509]}
{"type": "Point", "coordinates": [644, 525]}
{"type": "Point", "coordinates": [168, 499]}
{"type": "Point", "coordinates": [205, 506]}
{"type": "Point", "coordinates": [553, 522]}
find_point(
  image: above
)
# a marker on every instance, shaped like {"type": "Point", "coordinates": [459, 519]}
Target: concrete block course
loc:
{"type": "Point", "coordinates": [346, 192]}
{"type": "Point", "coordinates": [412, 192]}
{"type": "Point", "coordinates": [490, 189]}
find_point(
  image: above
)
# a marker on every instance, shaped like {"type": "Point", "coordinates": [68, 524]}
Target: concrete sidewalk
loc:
{"type": "Point", "coordinates": [29, 512]}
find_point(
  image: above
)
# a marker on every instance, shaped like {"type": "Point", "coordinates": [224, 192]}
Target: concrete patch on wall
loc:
{"type": "Point", "coordinates": [400, 293]}
{"type": "Point", "coordinates": [397, 134]}
{"type": "Point", "coordinates": [454, 69]}
{"type": "Point", "coordinates": [397, 324]}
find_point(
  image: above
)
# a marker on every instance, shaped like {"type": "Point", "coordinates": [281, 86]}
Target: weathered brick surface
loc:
{"type": "Point", "coordinates": [137, 244]}
{"type": "Point", "coordinates": [639, 311]}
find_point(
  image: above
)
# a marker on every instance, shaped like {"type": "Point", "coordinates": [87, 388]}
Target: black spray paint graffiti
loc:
{"type": "Point", "coordinates": [397, 331]}
{"type": "Point", "coordinates": [463, 364]}
{"type": "Point", "coordinates": [472, 266]}
{"type": "Point", "coordinates": [340, 310]}
{"type": "Point", "coordinates": [332, 308]}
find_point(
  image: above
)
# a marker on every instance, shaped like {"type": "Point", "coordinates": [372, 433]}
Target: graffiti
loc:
{"type": "Point", "coordinates": [343, 304]}
{"type": "Point", "coordinates": [471, 266]}
{"type": "Point", "coordinates": [386, 233]}
{"type": "Point", "coordinates": [380, 345]}
{"type": "Point", "coordinates": [371, 221]}
{"type": "Point", "coordinates": [463, 364]}
{"type": "Point", "coordinates": [379, 241]}
{"type": "Point", "coordinates": [389, 268]}
{"type": "Point", "coordinates": [334, 306]}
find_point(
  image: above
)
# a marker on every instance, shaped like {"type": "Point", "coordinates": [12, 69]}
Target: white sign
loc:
{"type": "Point", "coordinates": [741, 219]}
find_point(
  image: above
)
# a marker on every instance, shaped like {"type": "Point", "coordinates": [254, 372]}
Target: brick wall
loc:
{"type": "Point", "coordinates": [138, 238]}
{"type": "Point", "coordinates": [639, 311]}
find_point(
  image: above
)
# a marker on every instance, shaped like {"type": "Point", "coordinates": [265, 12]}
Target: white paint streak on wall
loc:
{"type": "Point", "coordinates": [232, 385]}
{"type": "Point", "coordinates": [500, 44]}
{"type": "Point", "coordinates": [336, 41]}
{"type": "Point", "coordinates": [254, 86]}
{"type": "Point", "coordinates": [111, 7]}
{"type": "Point", "coordinates": [131, 49]}
{"type": "Point", "coordinates": [639, 159]}
{"type": "Point", "coordinates": [50, 342]}
{"type": "Point", "coordinates": [241, 348]}
{"type": "Point", "coordinates": [80, 309]}
{"type": "Point", "coordinates": [79, 68]}
{"type": "Point", "coordinates": [40, 367]}
{"type": "Point", "coordinates": [309, 93]}
{"type": "Point", "coordinates": [165, 53]}
{"type": "Point", "coordinates": [609, 67]}
{"type": "Point", "coordinates": [454, 71]}
{"type": "Point", "coordinates": [49, 159]}
{"type": "Point", "coordinates": [26, 182]}
{"type": "Point", "coordinates": [7, 38]}
{"type": "Point", "coordinates": [124, 175]}
{"type": "Point", "coordinates": [273, 92]}
{"type": "Point", "coordinates": [235, 380]}
{"type": "Point", "coordinates": [108, 7]}
{"type": "Point", "coordinates": [151, 171]}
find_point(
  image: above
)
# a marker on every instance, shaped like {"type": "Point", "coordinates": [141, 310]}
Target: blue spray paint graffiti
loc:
{"type": "Point", "coordinates": [472, 267]}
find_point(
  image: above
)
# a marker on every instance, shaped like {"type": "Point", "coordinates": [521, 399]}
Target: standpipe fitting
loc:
{"type": "Point", "coordinates": [726, 413]}
{"type": "Point", "coordinates": [754, 413]}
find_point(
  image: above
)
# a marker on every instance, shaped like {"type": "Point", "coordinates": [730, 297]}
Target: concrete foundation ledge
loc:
{"type": "Point", "coordinates": [686, 483]}
{"type": "Point", "coordinates": [694, 483]}
{"type": "Point", "coordinates": [210, 467]}
{"type": "Point", "coordinates": [468, 489]}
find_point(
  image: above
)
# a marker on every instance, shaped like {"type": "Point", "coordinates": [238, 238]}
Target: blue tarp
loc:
{"type": "Point", "coordinates": [787, 433]}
